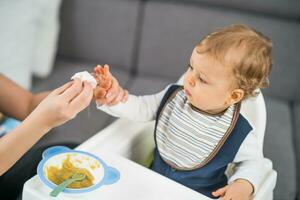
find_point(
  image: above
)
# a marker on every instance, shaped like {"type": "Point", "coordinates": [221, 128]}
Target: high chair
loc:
{"type": "Point", "coordinates": [135, 141]}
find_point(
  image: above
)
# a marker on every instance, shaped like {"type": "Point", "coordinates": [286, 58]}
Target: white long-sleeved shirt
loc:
{"type": "Point", "coordinates": [250, 163]}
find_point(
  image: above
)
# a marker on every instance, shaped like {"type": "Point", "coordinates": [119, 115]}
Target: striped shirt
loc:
{"type": "Point", "coordinates": [185, 136]}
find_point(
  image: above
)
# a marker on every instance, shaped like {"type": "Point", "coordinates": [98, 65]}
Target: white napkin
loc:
{"type": "Point", "coordinates": [85, 76]}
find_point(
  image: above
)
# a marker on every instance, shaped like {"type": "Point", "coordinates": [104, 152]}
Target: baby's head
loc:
{"type": "Point", "coordinates": [226, 67]}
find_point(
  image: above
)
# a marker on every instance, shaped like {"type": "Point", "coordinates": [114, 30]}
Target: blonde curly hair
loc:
{"type": "Point", "coordinates": [247, 51]}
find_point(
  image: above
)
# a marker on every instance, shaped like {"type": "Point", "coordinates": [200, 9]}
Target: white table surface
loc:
{"type": "Point", "coordinates": [136, 182]}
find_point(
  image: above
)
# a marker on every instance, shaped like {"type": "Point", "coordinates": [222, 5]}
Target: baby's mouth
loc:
{"type": "Point", "coordinates": [187, 92]}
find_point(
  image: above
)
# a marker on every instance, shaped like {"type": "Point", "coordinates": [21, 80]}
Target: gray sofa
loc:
{"type": "Point", "coordinates": [148, 44]}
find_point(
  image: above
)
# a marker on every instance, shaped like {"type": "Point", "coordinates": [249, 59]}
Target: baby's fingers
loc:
{"type": "Point", "coordinates": [97, 69]}
{"type": "Point", "coordinates": [99, 93]}
{"type": "Point", "coordinates": [101, 101]}
{"type": "Point", "coordinates": [226, 198]}
{"type": "Point", "coordinates": [117, 99]}
{"type": "Point", "coordinates": [220, 192]}
{"type": "Point", "coordinates": [106, 69]}
{"type": "Point", "coordinates": [125, 96]}
{"type": "Point", "coordinates": [113, 91]}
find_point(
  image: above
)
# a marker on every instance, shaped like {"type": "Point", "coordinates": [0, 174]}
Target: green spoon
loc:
{"type": "Point", "coordinates": [63, 185]}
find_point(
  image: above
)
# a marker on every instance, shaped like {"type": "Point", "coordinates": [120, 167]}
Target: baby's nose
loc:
{"type": "Point", "coordinates": [191, 82]}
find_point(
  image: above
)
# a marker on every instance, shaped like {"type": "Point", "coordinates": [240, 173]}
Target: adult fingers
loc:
{"type": "Point", "coordinates": [61, 89]}
{"type": "Point", "coordinates": [83, 99]}
{"type": "Point", "coordinates": [71, 92]}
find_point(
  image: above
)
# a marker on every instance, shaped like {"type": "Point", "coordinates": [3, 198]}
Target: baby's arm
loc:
{"type": "Point", "coordinates": [250, 163]}
{"type": "Point", "coordinates": [137, 108]}
{"type": "Point", "coordinates": [108, 95]}
{"type": "Point", "coordinates": [251, 169]}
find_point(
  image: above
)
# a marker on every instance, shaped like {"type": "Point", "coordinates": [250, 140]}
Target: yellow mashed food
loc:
{"type": "Point", "coordinates": [58, 175]}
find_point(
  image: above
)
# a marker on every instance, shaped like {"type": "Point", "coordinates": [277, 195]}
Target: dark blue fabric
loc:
{"type": "Point", "coordinates": [211, 176]}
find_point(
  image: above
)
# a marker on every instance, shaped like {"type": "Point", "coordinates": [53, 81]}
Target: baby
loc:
{"type": "Point", "coordinates": [200, 128]}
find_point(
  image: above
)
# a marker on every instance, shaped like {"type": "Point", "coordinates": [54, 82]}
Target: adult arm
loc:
{"type": "Point", "coordinates": [58, 107]}
{"type": "Point", "coordinates": [15, 101]}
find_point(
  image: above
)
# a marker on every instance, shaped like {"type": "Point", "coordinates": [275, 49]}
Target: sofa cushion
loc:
{"type": "Point", "coordinates": [86, 123]}
{"type": "Point", "coordinates": [100, 30]}
{"type": "Point", "coordinates": [297, 138]}
{"type": "Point", "coordinates": [281, 8]}
{"type": "Point", "coordinates": [147, 85]}
{"type": "Point", "coordinates": [65, 68]}
{"type": "Point", "coordinates": [278, 146]}
{"type": "Point", "coordinates": [170, 31]}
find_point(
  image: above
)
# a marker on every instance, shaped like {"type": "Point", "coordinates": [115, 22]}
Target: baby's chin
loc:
{"type": "Point", "coordinates": [197, 106]}
{"type": "Point", "coordinates": [190, 101]}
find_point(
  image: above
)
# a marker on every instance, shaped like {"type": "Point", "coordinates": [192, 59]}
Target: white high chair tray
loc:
{"type": "Point", "coordinates": [120, 143]}
{"type": "Point", "coordinates": [136, 182]}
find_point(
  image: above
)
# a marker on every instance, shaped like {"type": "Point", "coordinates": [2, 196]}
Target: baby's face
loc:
{"type": "Point", "coordinates": [208, 84]}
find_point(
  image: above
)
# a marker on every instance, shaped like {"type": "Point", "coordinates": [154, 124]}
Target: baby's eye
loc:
{"type": "Point", "coordinates": [201, 80]}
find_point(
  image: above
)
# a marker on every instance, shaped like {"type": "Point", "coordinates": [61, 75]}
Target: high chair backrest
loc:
{"type": "Point", "coordinates": [255, 108]}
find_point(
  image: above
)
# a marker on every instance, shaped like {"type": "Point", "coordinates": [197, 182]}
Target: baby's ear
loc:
{"type": "Point", "coordinates": [236, 96]}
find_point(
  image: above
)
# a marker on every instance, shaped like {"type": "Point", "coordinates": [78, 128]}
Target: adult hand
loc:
{"type": "Point", "coordinates": [63, 104]}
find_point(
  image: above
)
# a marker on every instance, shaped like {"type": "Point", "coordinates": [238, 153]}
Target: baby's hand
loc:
{"type": "Point", "coordinates": [104, 81]}
{"type": "Point", "coordinates": [108, 90]}
{"type": "Point", "coordinates": [238, 190]}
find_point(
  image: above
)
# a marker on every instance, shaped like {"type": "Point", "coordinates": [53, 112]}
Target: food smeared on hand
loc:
{"type": "Point", "coordinates": [57, 175]}
{"type": "Point", "coordinates": [104, 81]}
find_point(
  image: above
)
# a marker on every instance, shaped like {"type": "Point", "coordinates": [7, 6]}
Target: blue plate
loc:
{"type": "Point", "coordinates": [54, 156]}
